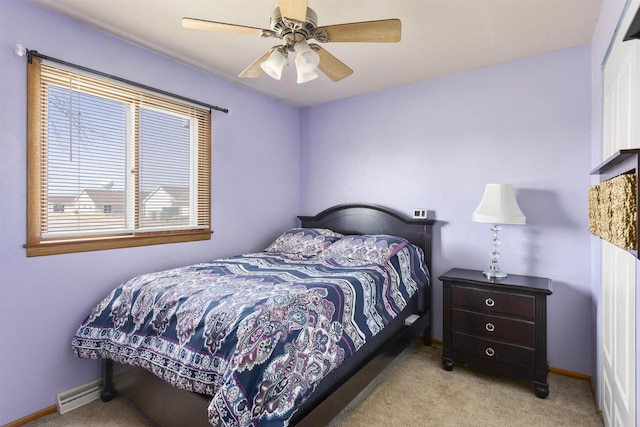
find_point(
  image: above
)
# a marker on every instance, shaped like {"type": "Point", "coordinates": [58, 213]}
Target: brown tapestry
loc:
{"type": "Point", "coordinates": [613, 210]}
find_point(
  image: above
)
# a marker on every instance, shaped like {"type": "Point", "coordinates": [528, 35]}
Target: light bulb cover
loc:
{"type": "Point", "coordinates": [307, 59]}
{"type": "Point", "coordinates": [274, 64]}
{"type": "Point", "coordinates": [306, 76]}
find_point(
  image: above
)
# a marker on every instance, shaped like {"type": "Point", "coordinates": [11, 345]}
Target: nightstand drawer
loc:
{"type": "Point", "coordinates": [496, 327]}
{"type": "Point", "coordinates": [495, 351]}
{"type": "Point", "coordinates": [494, 301]}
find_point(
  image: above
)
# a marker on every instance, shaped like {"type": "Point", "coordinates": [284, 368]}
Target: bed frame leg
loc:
{"type": "Point", "coordinates": [107, 393]}
{"type": "Point", "coordinates": [426, 336]}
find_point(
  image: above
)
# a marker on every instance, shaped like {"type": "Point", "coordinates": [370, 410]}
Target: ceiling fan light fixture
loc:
{"type": "Point", "coordinates": [307, 59]}
{"type": "Point", "coordinates": [306, 76]}
{"type": "Point", "coordinates": [295, 23]}
{"type": "Point", "coordinates": [274, 64]}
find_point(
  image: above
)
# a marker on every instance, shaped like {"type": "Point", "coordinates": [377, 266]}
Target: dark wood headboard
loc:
{"type": "Point", "coordinates": [362, 218]}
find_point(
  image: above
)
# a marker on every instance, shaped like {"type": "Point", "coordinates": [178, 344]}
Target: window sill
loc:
{"type": "Point", "coordinates": [54, 247]}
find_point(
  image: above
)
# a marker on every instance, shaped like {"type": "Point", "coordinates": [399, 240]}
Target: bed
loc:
{"type": "Point", "coordinates": [297, 332]}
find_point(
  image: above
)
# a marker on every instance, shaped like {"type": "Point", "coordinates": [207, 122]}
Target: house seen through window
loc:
{"type": "Point", "coordinates": [111, 166]}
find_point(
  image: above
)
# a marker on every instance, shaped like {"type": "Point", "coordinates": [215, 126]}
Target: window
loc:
{"type": "Point", "coordinates": [112, 166]}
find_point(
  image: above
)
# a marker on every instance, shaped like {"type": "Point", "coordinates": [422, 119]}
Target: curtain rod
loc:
{"type": "Point", "coordinates": [32, 53]}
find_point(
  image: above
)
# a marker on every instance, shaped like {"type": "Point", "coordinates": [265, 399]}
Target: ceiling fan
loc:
{"type": "Point", "coordinates": [294, 23]}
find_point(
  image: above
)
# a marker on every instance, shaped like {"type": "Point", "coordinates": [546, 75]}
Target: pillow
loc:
{"type": "Point", "coordinates": [365, 249]}
{"type": "Point", "coordinates": [303, 242]}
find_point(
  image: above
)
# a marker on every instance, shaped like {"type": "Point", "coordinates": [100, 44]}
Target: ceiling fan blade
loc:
{"type": "Point", "coordinates": [293, 9]}
{"type": "Point", "coordinates": [335, 69]}
{"type": "Point", "coordinates": [384, 31]}
{"type": "Point", "coordinates": [254, 70]}
{"type": "Point", "coordinates": [200, 24]}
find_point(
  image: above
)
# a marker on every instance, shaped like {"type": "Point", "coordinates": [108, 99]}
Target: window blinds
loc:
{"type": "Point", "coordinates": [116, 160]}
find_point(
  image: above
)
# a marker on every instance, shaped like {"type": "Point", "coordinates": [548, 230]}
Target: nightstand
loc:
{"type": "Point", "coordinates": [497, 326]}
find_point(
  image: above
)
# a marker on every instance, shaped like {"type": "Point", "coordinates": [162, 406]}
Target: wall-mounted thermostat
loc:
{"type": "Point", "coordinates": [420, 213]}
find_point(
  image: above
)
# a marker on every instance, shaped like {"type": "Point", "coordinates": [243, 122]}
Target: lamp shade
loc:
{"type": "Point", "coordinates": [499, 206]}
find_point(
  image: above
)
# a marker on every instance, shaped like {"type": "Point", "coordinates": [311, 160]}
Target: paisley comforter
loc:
{"type": "Point", "coordinates": [255, 332]}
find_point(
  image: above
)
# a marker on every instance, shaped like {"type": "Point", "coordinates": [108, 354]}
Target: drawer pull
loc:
{"type": "Point", "coordinates": [489, 352]}
{"type": "Point", "coordinates": [490, 327]}
{"type": "Point", "coordinates": [489, 302]}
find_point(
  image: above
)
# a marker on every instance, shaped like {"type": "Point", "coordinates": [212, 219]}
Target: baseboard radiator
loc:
{"type": "Point", "coordinates": [79, 396]}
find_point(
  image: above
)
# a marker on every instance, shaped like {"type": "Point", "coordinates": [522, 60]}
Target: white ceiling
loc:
{"type": "Point", "coordinates": [439, 37]}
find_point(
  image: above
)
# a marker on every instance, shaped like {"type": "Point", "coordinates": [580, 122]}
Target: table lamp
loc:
{"type": "Point", "coordinates": [498, 206]}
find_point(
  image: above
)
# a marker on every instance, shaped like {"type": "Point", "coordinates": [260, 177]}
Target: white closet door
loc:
{"type": "Point", "coordinates": [621, 129]}
{"type": "Point", "coordinates": [621, 93]}
{"type": "Point", "coordinates": [619, 336]}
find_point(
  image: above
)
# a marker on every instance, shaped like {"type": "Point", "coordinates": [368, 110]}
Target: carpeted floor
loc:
{"type": "Point", "coordinates": [414, 390]}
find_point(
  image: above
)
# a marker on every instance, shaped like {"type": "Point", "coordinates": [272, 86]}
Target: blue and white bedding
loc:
{"type": "Point", "coordinates": [256, 332]}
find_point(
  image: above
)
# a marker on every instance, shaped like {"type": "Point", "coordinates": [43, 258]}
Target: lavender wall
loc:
{"type": "Point", "coordinates": [435, 144]}
{"type": "Point", "coordinates": [429, 145]}
{"type": "Point", "coordinates": [44, 299]}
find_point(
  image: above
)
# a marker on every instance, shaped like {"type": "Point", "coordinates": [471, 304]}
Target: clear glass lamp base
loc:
{"type": "Point", "coordinates": [494, 274]}
{"type": "Point", "coordinates": [494, 271]}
